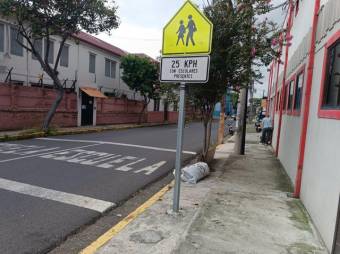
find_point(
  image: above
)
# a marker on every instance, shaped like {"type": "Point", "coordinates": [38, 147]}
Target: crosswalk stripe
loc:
{"type": "Point", "coordinates": [117, 144]}
{"type": "Point", "coordinates": [59, 196]}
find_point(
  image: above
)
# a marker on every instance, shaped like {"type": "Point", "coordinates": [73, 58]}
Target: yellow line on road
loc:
{"type": "Point", "coordinates": [108, 235]}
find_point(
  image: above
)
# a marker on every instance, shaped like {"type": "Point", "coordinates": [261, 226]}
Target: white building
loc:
{"type": "Point", "coordinates": [304, 102]}
{"type": "Point", "coordinates": [88, 64]}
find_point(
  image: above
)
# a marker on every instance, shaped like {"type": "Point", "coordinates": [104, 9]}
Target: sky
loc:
{"type": "Point", "coordinates": [142, 22]}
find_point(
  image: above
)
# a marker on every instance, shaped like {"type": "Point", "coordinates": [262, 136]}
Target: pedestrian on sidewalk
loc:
{"type": "Point", "coordinates": [267, 129]}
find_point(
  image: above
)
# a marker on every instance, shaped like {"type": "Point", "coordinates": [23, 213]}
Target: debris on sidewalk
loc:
{"type": "Point", "coordinates": [195, 172]}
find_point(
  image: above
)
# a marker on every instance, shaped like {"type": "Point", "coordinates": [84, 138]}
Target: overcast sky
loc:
{"type": "Point", "coordinates": [142, 21]}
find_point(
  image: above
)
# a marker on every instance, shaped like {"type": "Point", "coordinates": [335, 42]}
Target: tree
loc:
{"type": "Point", "coordinates": [169, 92]}
{"type": "Point", "coordinates": [235, 60]}
{"type": "Point", "coordinates": [141, 76]}
{"type": "Point", "coordinates": [40, 20]}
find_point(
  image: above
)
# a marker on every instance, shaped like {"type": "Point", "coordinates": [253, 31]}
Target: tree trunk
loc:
{"type": "Point", "coordinates": [209, 133]}
{"type": "Point", "coordinates": [142, 113]}
{"type": "Point", "coordinates": [53, 109]}
{"type": "Point", "coordinates": [220, 135]}
{"type": "Point", "coordinates": [205, 124]}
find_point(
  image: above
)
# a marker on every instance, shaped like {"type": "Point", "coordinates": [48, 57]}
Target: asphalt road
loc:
{"type": "Point", "coordinates": [50, 187]}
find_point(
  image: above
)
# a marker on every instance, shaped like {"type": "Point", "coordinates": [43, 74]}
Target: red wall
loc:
{"type": "Point", "coordinates": [23, 107]}
{"type": "Point", "coordinates": [156, 117]}
{"type": "Point", "coordinates": [115, 111]}
{"type": "Point", "coordinates": [172, 117]}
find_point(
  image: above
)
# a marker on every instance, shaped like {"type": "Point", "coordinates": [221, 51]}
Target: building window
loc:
{"type": "Point", "coordinates": [50, 52]}
{"type": "Point", "coordinates": [331, 98]}
{"type": "Point", "coordinates": [64, 56]}
{"type": "Point", "coordinates": [38, 45]}
{"type": "Point", "coordinates": [92, 63]}
{"type": "Point", "coordinates": [2, 37]}
{"type": "Point", "coordinates": [110, 68]}
{"type": "Point", "coordinates": [291, 95]}
{"type": "Point", "coordinates": [286, 94]}
{"type": "Point", "coordinates": [298, 91]}
{"type": "Point", "coordinates": [329, 102]}
{"type": "Point", "coordinates": [278, 101]}
{"type": "Point", "coordinates": [156, 105]}
{"type": "Point", "coordinates": [16, 48]}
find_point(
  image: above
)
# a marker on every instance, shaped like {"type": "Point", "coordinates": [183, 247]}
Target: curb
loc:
{"type": "Point", "coordinates": [40, 134]}
{"type": "Point", "coordinates": [108, 235]}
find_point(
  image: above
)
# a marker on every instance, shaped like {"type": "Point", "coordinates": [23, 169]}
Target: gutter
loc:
{"type": "Point", "coordinates": [306, 109]}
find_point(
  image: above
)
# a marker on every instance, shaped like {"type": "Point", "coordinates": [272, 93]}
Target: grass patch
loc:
{"type": "Point", "coordinates": [302, 248]}
{"type": "Point", "coordinates": [299, 215]}
{"type": "Point", "coordinates": [283, 182]}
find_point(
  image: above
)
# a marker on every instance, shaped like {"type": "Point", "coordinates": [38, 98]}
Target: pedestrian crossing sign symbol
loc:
{"type": "Point", "coordinates": [188, 32]}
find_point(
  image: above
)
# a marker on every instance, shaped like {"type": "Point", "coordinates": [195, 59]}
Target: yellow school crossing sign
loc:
{"type": "Point", "coordinates": [188, 32]}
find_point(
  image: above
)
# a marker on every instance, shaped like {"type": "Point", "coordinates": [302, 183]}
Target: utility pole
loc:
{"type": "Point", "coordinates": [242, 122]}
{"type": "Point", "coordinates": [242, 130]}
{"type": "Point", "coordinates": [221, 127]}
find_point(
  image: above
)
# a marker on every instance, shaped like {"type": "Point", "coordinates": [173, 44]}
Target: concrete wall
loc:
{"type": "Point", "coordinates": [321, 175]}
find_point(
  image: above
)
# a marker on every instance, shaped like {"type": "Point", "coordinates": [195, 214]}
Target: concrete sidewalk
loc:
{"type": "Point", "coordinates": [242, 207]}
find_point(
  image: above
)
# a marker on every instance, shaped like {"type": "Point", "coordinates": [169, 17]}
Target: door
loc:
{"type": "Point", "coordinates": [86, 109]}
{"type": "Point", "coordinates": [166, 109]}
{"type": "Point", "coordinates": [336, 246]}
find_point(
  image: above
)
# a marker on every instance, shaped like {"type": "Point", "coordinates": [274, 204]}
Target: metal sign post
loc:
{"type": "Point", "coordinates": [187, 40]}
{"type": "Point", "coordinates": [180, 130]}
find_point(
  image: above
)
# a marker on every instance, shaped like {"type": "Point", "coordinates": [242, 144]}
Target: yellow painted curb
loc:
{"type": "Point", "coordinates": [108, 235]}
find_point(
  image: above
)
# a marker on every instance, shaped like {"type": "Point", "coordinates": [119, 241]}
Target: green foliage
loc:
{"type": "Point", "coordinates": [241, 44]}
{"type": "Point", "coordinates": [60, 17]}
{"type": "Point", "coordinates": [141, 75]}
{"type": "Point", "coordinates": [170, 92]}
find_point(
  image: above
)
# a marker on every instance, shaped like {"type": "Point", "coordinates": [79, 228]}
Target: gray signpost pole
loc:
{"type": "Point", "coordinates": [181, 120]}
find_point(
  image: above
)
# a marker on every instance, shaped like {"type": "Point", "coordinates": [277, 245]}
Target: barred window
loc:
{"type": "Point", "coordinates": [64, 56]}
{"type": "Point", "coordinates": [92, 63]}
{"type": "Point", "coordinates": [2, 37]}
{"type": "Point", "coordinates": [38, 45]}
{"type": "Point", "coordinates": [50, 52]}
{"type": "Point", "coordinates": [110, 68]}
{"type": "Point", "coordinates": [16, 48]}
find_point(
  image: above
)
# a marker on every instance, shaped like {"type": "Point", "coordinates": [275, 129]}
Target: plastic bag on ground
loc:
{"type": "Point", "coordinates": [194, 173]}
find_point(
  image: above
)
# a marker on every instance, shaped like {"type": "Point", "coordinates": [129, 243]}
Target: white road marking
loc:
{"type": "Point", "coordinates": [41, 154]}
{"type": "Point", "coordinates": [150, 169]}
{"type": "Point", "coordinates": [59, 196]}
{"type": "Point", "coordinates": [117, 144]}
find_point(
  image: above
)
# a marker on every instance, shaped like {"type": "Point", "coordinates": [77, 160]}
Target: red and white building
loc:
{"type": "Point", "coordinates": [88, 65]}
{"type": "Point", "coordinates": [304, 103]}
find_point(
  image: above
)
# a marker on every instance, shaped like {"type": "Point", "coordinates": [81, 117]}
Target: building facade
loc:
{"type": "Point", "coordinates": [88, 65]}
{"type": "Point", "coordinates": [304, 103]}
